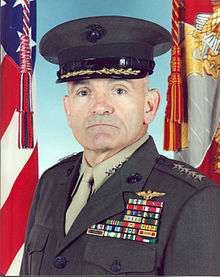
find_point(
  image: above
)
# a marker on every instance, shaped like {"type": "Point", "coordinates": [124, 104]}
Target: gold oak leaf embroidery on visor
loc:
{"type": "Point", "coordinates": [105, 71]}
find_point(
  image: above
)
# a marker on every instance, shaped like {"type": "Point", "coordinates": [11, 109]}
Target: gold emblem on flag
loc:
{"type": "Point", "coordinates": [203, 45]}
{"type": "Point", "coordinates": [217, 135]}
{"type": "Point", "coordinates": [147, 195]}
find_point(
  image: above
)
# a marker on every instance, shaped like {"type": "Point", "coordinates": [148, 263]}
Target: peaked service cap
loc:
{"type": "Point", "coordinates": [104, 47]}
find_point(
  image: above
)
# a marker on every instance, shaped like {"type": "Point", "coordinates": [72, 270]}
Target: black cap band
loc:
{"type": "Point", "coordinates": [123, 67]}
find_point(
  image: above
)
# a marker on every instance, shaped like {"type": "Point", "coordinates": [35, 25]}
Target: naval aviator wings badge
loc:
{"type": "Point", "coordinates": [140, 222]}
{"type": "Point", "coordinates": [147, 195]}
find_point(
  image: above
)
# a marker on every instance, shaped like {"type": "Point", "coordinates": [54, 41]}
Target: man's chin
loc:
{"type": "Point", "coordinates": [103, 145]}
{"type": "Point", "coordinates": [101, 142]}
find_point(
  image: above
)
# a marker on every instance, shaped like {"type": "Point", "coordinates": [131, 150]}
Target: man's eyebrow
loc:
{"type": "Point", "coordinates": [128, 81]}
{"type": "Point", "coordinates": [110, 80]}
{"type": "Point", "coordinates": [80, 82]}
{"type": "Point", "coordinates": [119, 80]}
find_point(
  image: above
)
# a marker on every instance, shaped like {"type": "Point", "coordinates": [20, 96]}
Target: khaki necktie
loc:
{"type": "Point", "coordinates": [82, 195]}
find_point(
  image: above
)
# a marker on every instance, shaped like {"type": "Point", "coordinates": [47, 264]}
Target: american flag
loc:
{"type": "Point", "coordinates": [19, 151]}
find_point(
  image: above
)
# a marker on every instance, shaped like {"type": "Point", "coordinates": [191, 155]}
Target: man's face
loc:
{"type": "Point", "coordinates": [108, 114]}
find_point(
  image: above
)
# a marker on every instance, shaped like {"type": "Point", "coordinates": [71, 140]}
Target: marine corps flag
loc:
{"type": "Point", "coordinates": [19, 155]}
{"type": "Point", "coordinates": [192, 120]}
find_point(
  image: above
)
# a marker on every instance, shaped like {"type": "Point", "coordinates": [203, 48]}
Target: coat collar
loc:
{"type": "Point", "coordinates": [106, 168]}
{"type": "Point", "coordinates": [109, 200]}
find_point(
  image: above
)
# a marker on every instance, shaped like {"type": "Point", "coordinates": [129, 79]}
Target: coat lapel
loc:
{"type": "Point", "coordinates": [62, 194]}
{"type": "Point", "coordinates": [109, 199]}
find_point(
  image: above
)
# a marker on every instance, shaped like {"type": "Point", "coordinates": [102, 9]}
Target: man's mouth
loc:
{"type": "Point", "coordinates": [101, 125]}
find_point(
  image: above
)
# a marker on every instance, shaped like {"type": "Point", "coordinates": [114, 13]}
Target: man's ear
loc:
{"type": "Point", "coordinates": [152, 101]}
{"type": "Point", "coordinates": [66, 104]}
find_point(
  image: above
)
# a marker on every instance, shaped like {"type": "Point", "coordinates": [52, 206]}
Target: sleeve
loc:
{"type": "Point", "coordinates": [24, 270]}
{"type": "Point", "coordinates": [194, 243]}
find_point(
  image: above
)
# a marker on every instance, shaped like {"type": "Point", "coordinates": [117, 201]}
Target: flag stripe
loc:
{"type": "Point", "coordinates": [11, 156]}
{"type": "Point", "coordinates": [15, 265]}
{"type": "Point", "coordinates": [10, 100]}
{"type": "Point", "coordinates": [14, 213]}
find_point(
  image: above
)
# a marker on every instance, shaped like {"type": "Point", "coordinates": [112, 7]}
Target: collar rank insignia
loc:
{"type": "Point", "coordinates": [140, 222]}
{"type": "Point", "coordinates": [147, 195]}
{"type": "Point", "coordinates": [189, 172]}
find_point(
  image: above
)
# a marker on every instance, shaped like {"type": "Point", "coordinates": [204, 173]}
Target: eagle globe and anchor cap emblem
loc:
{"type": "Point", "coordinates": [95, 32]}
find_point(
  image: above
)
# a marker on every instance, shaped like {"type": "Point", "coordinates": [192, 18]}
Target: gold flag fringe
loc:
{"type": "Point", "coordinates": [176, 125]}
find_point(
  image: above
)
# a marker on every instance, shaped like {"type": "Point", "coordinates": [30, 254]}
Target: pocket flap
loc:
{"type": "Point", "coordinates": [121, 256]}
{"type": "Point", "coordinates": [37, 239]}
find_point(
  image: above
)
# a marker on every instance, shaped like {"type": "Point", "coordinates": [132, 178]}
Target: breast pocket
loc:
{"type": "Point", "coordinates": [35, 248]}
{"type": "Point", "coordinates": [106, 256]}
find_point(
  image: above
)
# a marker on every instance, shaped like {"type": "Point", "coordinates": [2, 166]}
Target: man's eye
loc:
{"type": "Point", "coordinates": [83, 92]}
{"type": "Point", "coordinates": [120, 91]}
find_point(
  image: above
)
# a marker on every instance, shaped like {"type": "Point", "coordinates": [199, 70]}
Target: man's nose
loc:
{"type": "Point", "coordinates": [101, 104]}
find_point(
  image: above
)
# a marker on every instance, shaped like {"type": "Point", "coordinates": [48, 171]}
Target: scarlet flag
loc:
{"type": "Point", "coordinates": [19, 152]}
{"type": "Point", "coordinates": [193, 114]}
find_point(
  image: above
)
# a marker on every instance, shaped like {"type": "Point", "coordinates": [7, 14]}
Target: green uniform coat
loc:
{"type": "Point", "coordinates": [188, 236]}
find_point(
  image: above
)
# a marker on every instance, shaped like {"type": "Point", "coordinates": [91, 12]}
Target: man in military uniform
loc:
{"type": "Point", "coordinates": [119, 207]}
